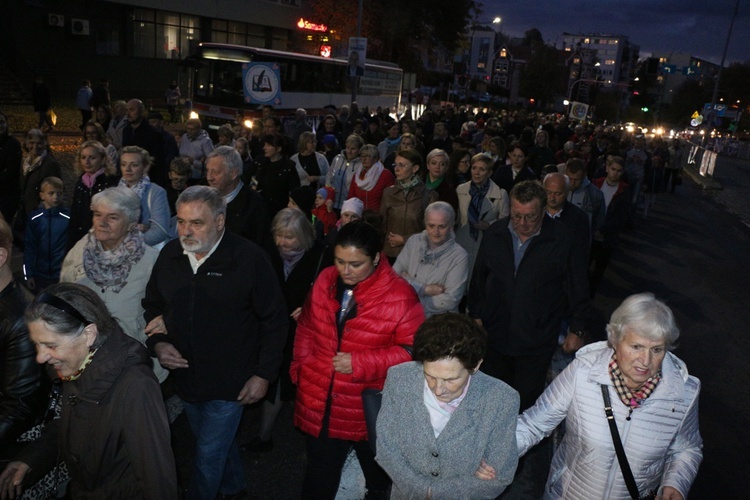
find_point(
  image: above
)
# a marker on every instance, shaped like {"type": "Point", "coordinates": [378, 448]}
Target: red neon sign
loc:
{"type": "Point", "coordinates": [307, 25]}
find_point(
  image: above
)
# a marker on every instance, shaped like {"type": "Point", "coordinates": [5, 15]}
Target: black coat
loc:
{"type": "Point", "coordinates": [276, 179]}
{"type": "Point", "coordinates": [22, 392]}
{"type": "Point", "coordinates": [80, 210]}
{"type": "Point", "coordinates": [32, 181]}
{"type": "Point", "coordinates": [10, 175]}
{"type": "Point", "coordinates": [113, 432]}
{"type": "Point", "coordinates": [150, 139]}
{"type": "Point", "coordinates": [247, 217]}
{"type": "Point", "coordinates": [503, 177]}
{"type": "Point", "coordinates": [296, 288]}
{"type": "Point", "coordinates": [522, 310]}
{"type": "Point", "coordinates": [228, 320]}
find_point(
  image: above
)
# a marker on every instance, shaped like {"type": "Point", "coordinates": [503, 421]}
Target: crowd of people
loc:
{"type": "Point", "coordinates": [442, 260]}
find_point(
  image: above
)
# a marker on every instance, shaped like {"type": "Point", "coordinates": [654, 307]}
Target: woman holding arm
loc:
{"type": "Point", "coordinates": [446, 430]}
{"type": "Point", "coordinates": [358, 321]}
{"type": "Point", "coordinates": [434, 264]}
{"type": "Point", "coordinates": [654, 404]}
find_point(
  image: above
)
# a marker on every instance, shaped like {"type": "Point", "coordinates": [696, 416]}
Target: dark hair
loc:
{"type": "Point", "coordinates": [412, 155]}
{"type": "Point", "coordinates": [68, 301]}
{"type": "Point", "coordinates": [450, 335]}
{"type": "Point", "coordinates": [575, 165]}
{"type": "Point", "coordinates": [360, 235]}
{"type": "Point", "coordinates": [526, 191]}
{"type": "Point", "coordinates": [275, 140]}
{"type": "Point", "coordinates": [517, 145]}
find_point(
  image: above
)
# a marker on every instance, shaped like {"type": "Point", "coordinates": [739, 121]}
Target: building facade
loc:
{"type": "Point", "coordinates": [138, 45]}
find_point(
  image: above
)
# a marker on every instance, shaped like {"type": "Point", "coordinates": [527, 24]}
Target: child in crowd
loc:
{"type": "Point", "coordinates": [46, 237]}
{"type": "Point", "coordinates": [323, 210]}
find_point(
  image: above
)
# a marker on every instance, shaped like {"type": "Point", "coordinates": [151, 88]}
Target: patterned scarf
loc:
{"type": "Point", "coordinates": [407, 185]}
{"type": "Point", "coordinates": [30, 164]}
{"type": "Point", "coordinates": [631, 399]}
{"type": "Point", "coordinates": [475, 206]}
{"type": "Point", "coordinates": [86, 362]}
{"type": "Point", "coordinates": [141, 188]}
{"type": "Point", "coordinates": [109, 269]}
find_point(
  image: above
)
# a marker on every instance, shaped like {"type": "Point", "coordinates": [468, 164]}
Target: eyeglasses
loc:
{"type": "Point", "coordinates": [403, 165]}
{"type": "Point", "coordinates": [526, 217]}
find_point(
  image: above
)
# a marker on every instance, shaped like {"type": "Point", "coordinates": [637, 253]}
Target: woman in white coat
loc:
{"type": "Point", "coordinates": [655, 407]}
{"type": "Point", "coordinates": [114, 261]}
{"type": "Point", "coordinates": [480, 203]}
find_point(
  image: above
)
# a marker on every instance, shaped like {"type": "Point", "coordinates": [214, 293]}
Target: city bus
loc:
{"type": "Point", "coordinates": [220, 85]}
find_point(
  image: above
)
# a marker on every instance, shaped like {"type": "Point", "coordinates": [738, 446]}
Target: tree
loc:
{"type": "Point", "coordinates": [686, 99]}
{"type": "Point", "coordinates": [543, 75]}
{"type": "Point", "coordinates": [396, 29]}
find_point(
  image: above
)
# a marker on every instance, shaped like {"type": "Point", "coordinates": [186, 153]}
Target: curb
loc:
{"type": "Point", "coordinates": [706, 183]}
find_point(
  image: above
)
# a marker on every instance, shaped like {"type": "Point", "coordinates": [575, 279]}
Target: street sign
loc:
{"type": "Point", "coordinates": [669, 69]}
{"type": "Point", "coordinates": [695, 115]}
{"type": "Point", "coordinates": [720, 109]}
{"type": "Point", "coordinates": [261, 83]}
{"type": "Point", "coordinates": [689, 70]}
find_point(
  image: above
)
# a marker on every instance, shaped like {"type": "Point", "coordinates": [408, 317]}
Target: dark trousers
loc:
{"type": "Point", "coordinates": [600, 256]}
{"type": "Point", "coordinates": [526, 374]}
{"type": "Point", "coordinates": [86, 115]}
{"type": "Point", "coordinates": [325, 460]}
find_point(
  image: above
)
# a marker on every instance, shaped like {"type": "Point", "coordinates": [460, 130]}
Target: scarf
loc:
{"type": "Point", "coordinates": [434, 184]}
{"type": "Point", "coordinates": [86, 362]}
{"type": "Point", "coordinates": [89, 180]}
{"type": "Point", "coordinates": [475, 206]}
{"type": "Point", "coordinates": [290, 260]}
{"type": "Point", "coordinates": [29, 164]}
{"type": "Point", "coordinates": [109, 269]}
{"type": "Point", "coordinates": [631, 399]}
{"type": "Point", "coordinates": [407, 185]}
{"type": "Point", "coordinates": [367, 179]}
{"type": "Point", "coordinates": [141, 188]}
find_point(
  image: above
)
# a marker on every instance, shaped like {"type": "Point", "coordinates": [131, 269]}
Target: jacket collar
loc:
{"type": "Point", "coordinates": [673, 369]}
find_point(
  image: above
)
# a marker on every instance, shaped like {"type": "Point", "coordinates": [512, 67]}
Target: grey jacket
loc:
{"type": "Point", "coordinates": [447, 265]}
{"type": "Point", "coordinates": [482, 427]}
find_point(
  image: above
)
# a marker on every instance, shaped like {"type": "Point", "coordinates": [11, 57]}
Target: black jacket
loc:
{"type": "Point", "coordinates": [22, 394]}
{"type": "Point", "coordinates": [522, 310]}
{"type": "Point", "coordinates": [503, 177]}
{"type": "Point", "coordinates": [80, 210]}
{"type": "Point", "coordinates": [229, 321]}
{"type": "Point", "coordinates": [113, 432]}
{"type": "Point", "coordinates": [247, 217]}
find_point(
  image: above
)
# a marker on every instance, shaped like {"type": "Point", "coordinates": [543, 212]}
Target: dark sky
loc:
{"type": "Point", "coordinates": [696, 27]}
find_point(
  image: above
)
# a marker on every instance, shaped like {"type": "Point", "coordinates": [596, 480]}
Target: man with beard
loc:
{"type": "Point", "coordinates": [217, 319]}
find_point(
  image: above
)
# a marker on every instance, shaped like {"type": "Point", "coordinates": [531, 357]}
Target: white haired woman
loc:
{"type": "Point", "coordinates": [634, 380]}
{"type": "Point", "coordinates": [114, 260]}
{"type": "Point", "coordinates": [434, 263]}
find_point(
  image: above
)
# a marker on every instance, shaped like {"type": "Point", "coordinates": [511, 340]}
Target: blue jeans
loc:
{"type": "Point", "coordinates": [218, 467]}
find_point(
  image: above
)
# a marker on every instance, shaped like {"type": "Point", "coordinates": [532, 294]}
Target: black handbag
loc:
{"type": "Point", "coordinates": [627, 474]}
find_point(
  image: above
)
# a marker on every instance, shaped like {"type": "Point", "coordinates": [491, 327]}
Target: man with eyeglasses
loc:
{"type": "Point", "coordinates": [525, 280]}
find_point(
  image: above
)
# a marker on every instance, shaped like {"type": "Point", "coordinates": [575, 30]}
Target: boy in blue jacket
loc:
{"type": "Point", "coordinates": [46, 237]}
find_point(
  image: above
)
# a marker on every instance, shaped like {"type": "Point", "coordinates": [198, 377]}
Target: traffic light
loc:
{"type": "Point", "coordinates": [644, 109]}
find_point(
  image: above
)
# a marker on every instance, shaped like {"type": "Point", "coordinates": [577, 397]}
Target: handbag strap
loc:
{"type": "Point", "coordinates": [627, 474]}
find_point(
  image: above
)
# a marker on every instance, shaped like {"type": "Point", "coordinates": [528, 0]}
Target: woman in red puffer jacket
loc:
{"type": "Point", "coordinates": [358, 321]}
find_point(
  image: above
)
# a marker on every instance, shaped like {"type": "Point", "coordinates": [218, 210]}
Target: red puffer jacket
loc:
{"type": "Point", "coordinates": [388, 314]}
